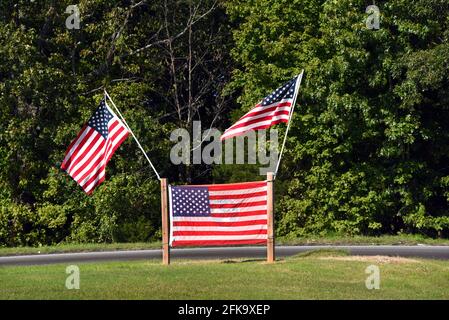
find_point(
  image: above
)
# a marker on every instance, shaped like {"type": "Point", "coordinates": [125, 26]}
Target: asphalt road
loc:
{"type": "Point", "coordinates": [434, 252]}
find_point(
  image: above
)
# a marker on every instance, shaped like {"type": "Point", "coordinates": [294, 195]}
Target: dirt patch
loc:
{"type": "Point", "coordinates": [376, 259]}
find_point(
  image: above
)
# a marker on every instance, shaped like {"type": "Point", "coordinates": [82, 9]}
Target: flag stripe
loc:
{"type": "Point", "coordinates": [77, 147]}
{"type": "Point", "coordinates": [258, 110]}
{"type": "Point", "coordinates": [221, 228]}
{"type": "Point", "coordinates": [238, 214]}
{"type": "Point", "coordinates": [87, 156]}
{"type": "Point", "coordinates": [220, 222]}
{"type": "Point", "coordinates": [217, 233]}
{"type": "Point", "coordinates": [273, 109]}
{"type": "Point", "coordinates": [257, 126]}
{"type": "Point", "coordinates": [217, 243]}
{"type": "Point", "coordinates": [223, 237]}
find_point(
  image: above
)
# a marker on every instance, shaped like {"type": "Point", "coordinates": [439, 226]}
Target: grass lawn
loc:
{"type": "Point", "coordinates": [316, 275]}
{"type": "Point", "coordinates": [309, 240]}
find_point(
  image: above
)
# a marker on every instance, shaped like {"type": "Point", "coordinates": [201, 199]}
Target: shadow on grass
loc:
{"type": "Point", "coordinates": [321, 253]}
{"type": "Point", "coordinates": [243, 260]}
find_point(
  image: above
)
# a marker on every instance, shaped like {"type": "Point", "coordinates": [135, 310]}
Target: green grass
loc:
{"type": "Point", "coordinates": [309, 240]}
{"type": "Point", "coordinates": [83, 247]}
{"type": "Point", "coordinates": [363, 240]}
{"type": "Point", "coordinates": [320, 275]}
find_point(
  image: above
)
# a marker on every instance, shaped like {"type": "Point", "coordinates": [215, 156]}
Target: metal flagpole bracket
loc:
{"type": "Point", "coordinates": [132, 133]}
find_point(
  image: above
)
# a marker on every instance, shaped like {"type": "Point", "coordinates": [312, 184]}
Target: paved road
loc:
{"type": "Point", "coordinates": [434, 252]}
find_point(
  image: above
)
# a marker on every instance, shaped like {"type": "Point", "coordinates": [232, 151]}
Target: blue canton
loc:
{"type": "Point", "coordinates": [284, 92]}
{"type": "Point", "coordinates": [100, 119]}
{"type": "Point", "coordinates": [190, 201]}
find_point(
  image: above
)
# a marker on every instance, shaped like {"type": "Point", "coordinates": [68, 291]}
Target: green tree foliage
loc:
{"type": "Point", "coordinates": [368, 149]}
{"type": "Point", "coordinates": [51, 80]}
{"type": "Point", "coordinates": [367, 152]}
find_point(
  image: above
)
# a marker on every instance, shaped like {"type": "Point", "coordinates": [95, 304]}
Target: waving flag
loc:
{"type": "Point", "coordinates": [273, 109]}
{"type": "Point", "coordinates": [220, 214]}
{"type": "Point", "coordinates": [87, 156]}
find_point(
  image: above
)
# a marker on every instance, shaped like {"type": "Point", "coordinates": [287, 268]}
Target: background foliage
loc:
{"type": "Point", "coordinates": [367, 152]}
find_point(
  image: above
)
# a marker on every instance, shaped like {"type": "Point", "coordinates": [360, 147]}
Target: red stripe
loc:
{"type": "Point", "coordinates": [78, 148]}
{"type": "Point", "coordinates": [219, 233]}
{"type": "Point", "coordinates": [261, 119]}
{"type": "Point", "coordinates": [91, 158]}
{"type": "Point", "coordinates": [81, 145]}
{"type": "Point", "coordinates": [97, 184]}
{"type": "Point", "coordinates": [238, 196]}
{"type": "Point", "coordinates": [110, 148]}
{"type": "Point", "coordinates": [217, 242]}
{"type": "Point", "coordinates": [71, 145]}
{"type": "Point", "coordinates": [95, 169]}
{"type": "Point", "coordinates": [116, 145]}
{"type": "Point", "coordinates": [101, 158]}
{"type": "Point", "coordinates": [257, 128]}
{"type": "Point", "coordinates": [238, 205]}
{"type": "Point", "coordinates": [86, 151]}
{"type": "Point", "coordinates": [94, 166]}
{"type": "Point", "coordinates": [236, 186]}
{"type": "Point", "coordinates": [113, 125]}
{"type": "Point", "coordinates": [218, 224]}
{"type": "Point", "coordinates": [256, 113]}
{"type": "Point", "coordinates": [239, 214]}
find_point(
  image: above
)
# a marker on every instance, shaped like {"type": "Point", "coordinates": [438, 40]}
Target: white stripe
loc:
{"type": "Point", "coordinates": [238, 201]}
{"type": "Point", "coordinates": [89, 167]}
{"type": "Point", "coordinates": [102, 173]}
{"type": "Point", "coordinates": [94, 149]}
{"type": "Point", "coordinates": [261, 108]}
{"type": "Point", "coordinates": [239, 209]}
{"type": "Point", "coordinates": [203, 228]}
{"type": "Point", "coordinates": [99, 154]}
{"type": "Point", "coordinates": [94, 170]}
{"type": "Point", "coordinates": [222, 237]}
{"type": "Point", "coordinates": [265, 114]}
{"type": "Point", "coordinates": [82, 149]}
{"type": "Point", "coordinates": [76, 144]}
{"type": "Point", "coordinates": [254, 125]}
{"type": "Point", "coordinates": [88, 155]}
{"type": "Point", "coordinates": [238, 191]}
{"type": "Point", "coordinates": [116, 141]}
{"type": "Point", "coordinates": [224, 219]}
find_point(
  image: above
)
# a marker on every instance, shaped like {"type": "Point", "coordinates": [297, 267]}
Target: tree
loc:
{"type": "Point", "coordinates": [367, 152]}
{"type": "Point", "coordinates": [51, 80]}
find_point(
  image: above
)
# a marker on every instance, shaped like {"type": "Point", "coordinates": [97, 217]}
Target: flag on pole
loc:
{"type": "Point", "coordinates": [219, 214]}
{"type": "Point", "coordinates": [273, 109]}
{"type": "Point", "coordinates": [87, 156]}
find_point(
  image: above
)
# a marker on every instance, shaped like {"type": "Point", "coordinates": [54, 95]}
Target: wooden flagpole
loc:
{"type": "Point", "coordinates": [270, 228]}
{"type": "Point", "coordinates": [165, 223]}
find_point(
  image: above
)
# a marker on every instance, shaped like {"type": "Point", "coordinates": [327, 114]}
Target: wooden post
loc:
{"type": "Point", "coordinates": [165, 223]}
{"type": "Point", "coordinates": [270, 208]}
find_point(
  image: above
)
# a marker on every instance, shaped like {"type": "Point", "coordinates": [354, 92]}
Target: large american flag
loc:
{"type": "Point", "coordinates": [273, 109]}
{"type": "Point", "coordinates": [218, 214]}
{"type": "Point", "coordinates": [86, 157]}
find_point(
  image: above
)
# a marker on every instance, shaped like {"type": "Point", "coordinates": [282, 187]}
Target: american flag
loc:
{"type": "Point", "coordinates": [273, 109]}
{"type": "Point", "coordinates": [218, 214]}
{"type": "Point", "coordinates": [86, 157]}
